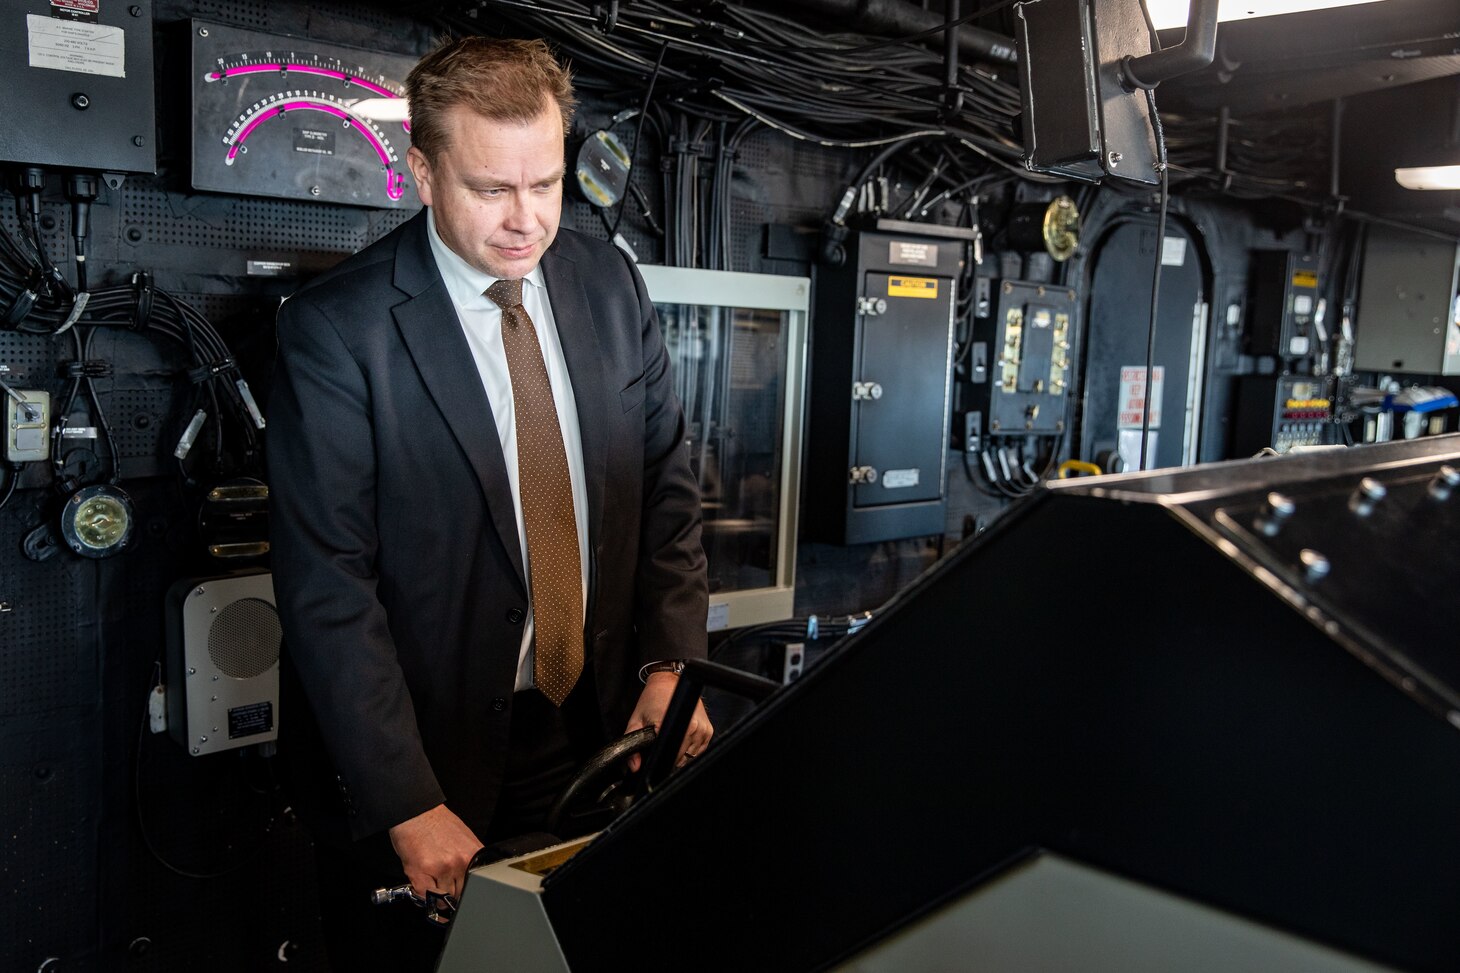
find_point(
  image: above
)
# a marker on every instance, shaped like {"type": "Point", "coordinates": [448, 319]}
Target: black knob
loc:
{"type": "Point", "coordinates": [499, 704]}
{"type": "Point", "coordinates": [515, 615]}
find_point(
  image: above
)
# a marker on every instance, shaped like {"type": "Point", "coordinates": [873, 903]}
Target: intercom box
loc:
{"type": "Point", "coordinates": [223, 642]}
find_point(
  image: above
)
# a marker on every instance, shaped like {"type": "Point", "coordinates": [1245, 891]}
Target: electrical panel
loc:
{"type": "Point", "coordinates": [1030, 337]}
{"type": "Point", "coordinates": [78, 85]}
{"type": "Point", "coordinates": [1283, 316]}
{"type": "Point", "coordinates": [1408, 313]}
{"type": "Point", "coordinates": [882, 343]}
{"type": "Point", "coordinates": [1281, 412]}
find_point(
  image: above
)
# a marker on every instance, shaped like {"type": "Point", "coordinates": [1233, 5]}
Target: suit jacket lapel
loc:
{"type": "Point", "coordinates": [579, 336]}
{"type": "Point", "coordinates": [429, 327]}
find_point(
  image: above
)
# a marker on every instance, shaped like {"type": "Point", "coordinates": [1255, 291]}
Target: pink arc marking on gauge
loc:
{"type": "Point", "coordinates": [303, 69]}
{"type": "Point", "coordinates": [394, 182]}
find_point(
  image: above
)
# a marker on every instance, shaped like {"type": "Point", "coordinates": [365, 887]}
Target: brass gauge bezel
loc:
{"type": "Point", "coordinates": [1061, 229]}
{"type": "Point", "coordinates": [98, 521]}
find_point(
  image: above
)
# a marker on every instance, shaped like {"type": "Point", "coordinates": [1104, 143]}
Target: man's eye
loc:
{"type": "Point", "coordinates": [489, 193]}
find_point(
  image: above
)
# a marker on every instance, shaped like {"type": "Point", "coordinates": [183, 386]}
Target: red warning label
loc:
{"type": "Point", "coordinates": [83, 11]}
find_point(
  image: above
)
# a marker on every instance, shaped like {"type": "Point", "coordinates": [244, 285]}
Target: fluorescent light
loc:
{"type": "Point", "coordinates": [382, 109]}
{"type": "Point", "coordinates": [1429, 177]}
{"type": "Point", "coordinates": [1172, 13]}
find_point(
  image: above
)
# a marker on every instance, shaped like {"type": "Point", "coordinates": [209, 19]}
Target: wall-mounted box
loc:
{"type": "Point", "coordinates": [738, 347]}
{"type": "Point", "coordinates": [78, 85]}
{"type": "Point", "coordinates": [1407, 310]}
{"type": "Point", "coordinates": [881, 368]}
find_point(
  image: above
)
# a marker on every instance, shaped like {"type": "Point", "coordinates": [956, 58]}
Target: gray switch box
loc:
{"type": "Point", "coordinates": [1406, 320]}
{"type": "Point", "coordinates": [27, 426]}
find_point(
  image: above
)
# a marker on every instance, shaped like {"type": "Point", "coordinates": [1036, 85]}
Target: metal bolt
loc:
{"type": "Point", "coordinates": [202, 32]}
{"type": "Point", "coordinates": [80, 101]}
{"type": "Point", "coordinates": [196, 751]}
{"type": "Point", "coordinates": [134, 10]}
{"type": "Point", "coordinates": [1114, 158]}
{"type": "Point", "coordinates": [213, 610]}
{"type": "Point", "coordinates": [215, 677]}
{"type": "Point", "coordinates": [214, 699]}
{"type": "Point", "coordinates": [138, 141]}
{"type": "Point", "coordinates": [199, 590]}
{"type": "Point", "coordinates": [192, 671]}
{"type": "Point", "coordinates": [202, 739]}
{"type": "Point", "coordinates": [215, 729]}
{"type": "Point", "coordinates": [1445, 481]}
{"type": "Point", "coordinates": [314, 190]}
{"type": "Point", "coordinates": [1315, 565]}
{"type": "Point", "coordinates": [1277, 509]}
{"type": "Point", "coordinates": [1370, 492]}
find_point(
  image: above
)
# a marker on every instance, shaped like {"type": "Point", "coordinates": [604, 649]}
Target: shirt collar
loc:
{"type": "Point", "coordinates": [466, 284]}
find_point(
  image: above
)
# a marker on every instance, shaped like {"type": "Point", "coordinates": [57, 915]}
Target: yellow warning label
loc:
{"type": "Point", "coordinates": [1305, 278]}
{"type": "Point", "coordinates": [912, 287]}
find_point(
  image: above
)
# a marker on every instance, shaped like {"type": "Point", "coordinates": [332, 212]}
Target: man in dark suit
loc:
{"type": "Point", "coordinates": [486, 527]}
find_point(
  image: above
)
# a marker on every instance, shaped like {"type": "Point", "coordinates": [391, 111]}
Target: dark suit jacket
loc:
{"type": "Point", "coordinates": [397, 567]}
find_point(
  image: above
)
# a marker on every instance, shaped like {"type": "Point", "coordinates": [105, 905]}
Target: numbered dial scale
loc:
{"type": "Point", "coordinates": [277, 116]}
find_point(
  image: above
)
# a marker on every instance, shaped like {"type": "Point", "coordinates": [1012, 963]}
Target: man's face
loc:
{"type": "Point", "coordinates": [496, 189]}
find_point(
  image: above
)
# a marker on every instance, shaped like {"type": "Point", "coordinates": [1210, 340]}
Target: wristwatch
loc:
{"type": "Point", "coordinates": [675, 666]}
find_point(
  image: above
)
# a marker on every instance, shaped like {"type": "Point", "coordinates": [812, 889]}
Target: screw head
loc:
{"type": "Point", "coordinates": [134, 10]}
{"type": "Point", "coordinates": [202, 32]}
{"type": "Point", "coordinates": [1447, 478]}
{"type": "Point", "coordinates": [314, 190]}
{"type": "Point", "coordinates": [1315, 565]}
{"type": "Point", "coordinates": [1114, 158]}
{"type": "Point", "coordinates": [80, 101]}
{"type": "Point", "coordinates": [138, 141]}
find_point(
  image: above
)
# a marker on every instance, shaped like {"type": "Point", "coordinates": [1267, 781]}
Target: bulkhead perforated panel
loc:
{"type": "Point", "coordinates": [48, 855]}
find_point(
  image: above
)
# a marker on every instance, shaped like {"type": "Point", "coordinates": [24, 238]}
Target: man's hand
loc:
{"type": "Point", "coordinates": [435, 848]}
{"type": "Point", "coordinates": [649, 711]}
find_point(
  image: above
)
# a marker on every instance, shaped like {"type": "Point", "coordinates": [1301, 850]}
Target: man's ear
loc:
{"type": "Point", "coordinates": [420, 168]}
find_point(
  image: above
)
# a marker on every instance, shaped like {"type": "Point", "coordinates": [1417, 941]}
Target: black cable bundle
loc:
{"type": "Point", "coordinates": [27, 279]}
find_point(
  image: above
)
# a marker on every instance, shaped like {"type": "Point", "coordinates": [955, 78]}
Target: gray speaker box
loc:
{"type": "Point", "coordinates": [223, 663]}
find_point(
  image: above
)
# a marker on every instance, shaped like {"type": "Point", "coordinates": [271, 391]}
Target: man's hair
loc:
{"type": "Point", "coordinates": [501, 79]}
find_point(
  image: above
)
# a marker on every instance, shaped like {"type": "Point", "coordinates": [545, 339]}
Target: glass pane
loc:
{"type": "Point", "coordinates": [729, 372]}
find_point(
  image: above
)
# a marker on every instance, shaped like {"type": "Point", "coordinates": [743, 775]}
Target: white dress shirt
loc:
{"type": "Point", "coordinates": [481, 322]}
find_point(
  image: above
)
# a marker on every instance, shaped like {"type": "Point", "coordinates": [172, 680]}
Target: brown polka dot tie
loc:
{"type": "Point", "coordinates": [555, 568]}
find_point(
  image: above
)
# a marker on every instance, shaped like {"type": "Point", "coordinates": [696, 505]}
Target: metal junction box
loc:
{"type": "Point", "coordinates": [1030, 339]}
{"type": "Point", "coordinates": [78, 85]}
{"type": "Point", "coordinates": [1407, 304]}
{"type": "Point", "coordinates": [882, 340]}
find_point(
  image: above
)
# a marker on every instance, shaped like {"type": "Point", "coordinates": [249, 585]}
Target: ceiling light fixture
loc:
{"type": "Point", "coordinates": [1429, 177]}
{"type": "Point", "coordinates": [1172, 13]}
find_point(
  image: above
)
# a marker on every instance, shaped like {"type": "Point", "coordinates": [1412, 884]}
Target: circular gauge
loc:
{"type": "Point", "coordinates": [97, 521]}
{"type": "Point", "coordinates": [1061, 228]}
{"type": "Point", "coordinates": [602, 169]}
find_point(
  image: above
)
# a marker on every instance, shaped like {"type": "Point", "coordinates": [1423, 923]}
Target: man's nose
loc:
{"type": "Point", "coordinates": [520, 217]}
